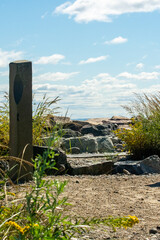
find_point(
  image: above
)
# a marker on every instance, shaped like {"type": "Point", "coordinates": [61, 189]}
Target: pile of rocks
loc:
{"type": "Point", "coordinates": [93, 135]}
{"type": "Point", "coordinates": [91, 139]}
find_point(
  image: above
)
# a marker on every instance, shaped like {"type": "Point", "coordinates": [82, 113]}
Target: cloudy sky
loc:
{"type": "Point", "coordinates": [92, 54]}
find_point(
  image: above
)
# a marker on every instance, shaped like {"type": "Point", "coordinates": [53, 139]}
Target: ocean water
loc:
{"type": "Point", "coordinates": [80, 119]}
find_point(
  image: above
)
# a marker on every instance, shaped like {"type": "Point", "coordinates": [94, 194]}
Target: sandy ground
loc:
{"type": "Point", "coordinates": [116, 195]}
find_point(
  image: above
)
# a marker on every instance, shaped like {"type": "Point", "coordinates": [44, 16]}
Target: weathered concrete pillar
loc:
{"type": "Point", "coordinates": [20, 101]}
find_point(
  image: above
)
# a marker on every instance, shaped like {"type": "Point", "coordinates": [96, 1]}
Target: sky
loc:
{"type": "Point", "coordinates": [93, 54]}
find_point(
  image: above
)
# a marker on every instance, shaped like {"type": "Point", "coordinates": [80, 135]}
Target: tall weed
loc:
{"type": "Point", "coordinates": [40, 117]}
{"type": "Point", "coordinates": [143, 139]}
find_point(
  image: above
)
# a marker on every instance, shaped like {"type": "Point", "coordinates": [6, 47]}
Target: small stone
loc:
{"type": "Point", "coordinates": [126, 171]}
{"type": "Point", "coordinates": [158, 228]}
{"type": "Point", "coordinates": [153, 231]}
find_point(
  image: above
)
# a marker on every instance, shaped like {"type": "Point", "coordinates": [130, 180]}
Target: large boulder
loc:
{"type": "Point", "coordinates": [96, 130]}
{"type": "Point", "coordinates": [84, 144]}
{"type": "Point", "coordinates": [148, 165]}
{"type": "Point", "coordinates": [94, 169]}
{"type": "Point", "coordinates": [88, 144]}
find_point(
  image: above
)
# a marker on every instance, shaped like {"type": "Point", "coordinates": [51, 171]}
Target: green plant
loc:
{"type": "Point", "coordinates": [143, 137]}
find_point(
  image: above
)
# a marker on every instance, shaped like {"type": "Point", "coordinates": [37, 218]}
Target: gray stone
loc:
{"type": "Point", "coordinates": [95, 169]}
{"type": "Point", "coordinates": [105, 144]}
{"type": "Point", "coordinates": [90, 129]}
{"type": "Point", "coordinates": [151, 164]}
{"type": "Point", "coordinates": [84, 143]}
{"type": "Point", "coordinates": [153, 231]}
{"type": "Point", "coordinates": [71, 133]}
{"type": "Point", "coordinates": [73, 126]}
{"type": "Point", "coordinates": [74, 150]}
{"type": "Point", "coordinates": [131, 166]}
{"type": "Point", "coordinates": [20, 102]}
{"type": "Point", "coordinates": [147, 166]}
{"type": "Point", "coordinates": [116, 140]}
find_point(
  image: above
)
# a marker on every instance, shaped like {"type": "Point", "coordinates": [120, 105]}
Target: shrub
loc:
{"type": "Point", "coordinates": [143, 139]}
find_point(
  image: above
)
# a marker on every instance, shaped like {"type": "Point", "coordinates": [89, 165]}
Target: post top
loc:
{"type": "Point", "coordinates": [21, 61]}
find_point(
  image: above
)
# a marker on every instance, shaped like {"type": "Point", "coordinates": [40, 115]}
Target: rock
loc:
{"type": "Point", "coordinates": [151, 164]}
{"type": "Point", "coordinates": [153, 231]}
{"type": "Point", "coordinates": [147, 166]}
{"type": "Point", "coordinates": [84, 143]}
{"type": "Point", "coordinates": [97, 130]}
{"type": "Point", "coordinates": [82, 123]}
{"type": "Point", "coordinates": [90, 129]}
{"type": "Point", "coordinates": [73, 150]}
{"type": "Point", "coordinates": [116, 140]}
{"type": "Point", "coordinates": [95, 169]}
{"type": "Point", "coordinates": [117, 118]}
{"type": "Point", "coordinates": [115, 121]}
{"type": "Point", "coordinates": [105, 129]}
{"type": "Point", "coordinates": [71, 133]}
{"type": "Point", "coordinates": [88, 144]}
{"type": "Point", "coordinates": [51, 120]}
{"type": "Point", "coordinates": [105, 144]}
{"type": "Point", "coordinates": [131, 166]}
{"type": "Point", "coordinates": [126, 172]}
{"type": "Point", "coordinates": [73, 126]}
{"type": "Point", "coordinates": [60, 159]}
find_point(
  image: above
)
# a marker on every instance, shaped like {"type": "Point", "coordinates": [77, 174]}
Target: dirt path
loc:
{"type": "Point", "coordinates": [116, 195]}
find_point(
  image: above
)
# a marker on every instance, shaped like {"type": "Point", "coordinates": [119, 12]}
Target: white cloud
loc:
{"type": "Point", "coordinates": [104, 10]}
{"type": "Point", "coordinates": [53, 59]}
{"type": "Point", "coordinates": [117, 40]}
{"type": "Point", "coordinates": [139, 66]}
{"type": "Point", "coordinates": [8, 56]}
{"type": "Point", "coordinates": [102, 95]}
{"type": "Point", "coordinates": [141, 76]}
{"type": "Point", "coordinates": [93, 60]}
{"type": "Point", "coordinates": [57, 76]}
{"type": "Point", "coordinates": [157, 67]}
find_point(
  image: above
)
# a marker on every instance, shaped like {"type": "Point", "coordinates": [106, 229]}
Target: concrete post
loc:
{"type": "Point", "coordinates": [20, 102]}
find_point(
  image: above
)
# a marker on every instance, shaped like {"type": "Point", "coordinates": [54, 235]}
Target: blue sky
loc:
{"type": "Point", "coordinates": [92, 54]}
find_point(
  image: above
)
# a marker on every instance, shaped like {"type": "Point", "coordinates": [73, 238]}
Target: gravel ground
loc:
{"type": "Point", "coordinates": [116, 195]}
